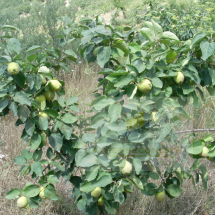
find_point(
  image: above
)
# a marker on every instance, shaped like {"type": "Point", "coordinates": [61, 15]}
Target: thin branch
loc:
{"type": "Point", "coordinates": [179, 55]}
{"type": "Point", "coordinates": [194, 130]}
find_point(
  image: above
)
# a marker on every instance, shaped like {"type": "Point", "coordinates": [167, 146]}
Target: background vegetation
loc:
{"type": "Point", "coordinates": [38, 22]}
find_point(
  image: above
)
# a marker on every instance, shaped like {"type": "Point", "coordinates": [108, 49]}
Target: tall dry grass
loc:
{"type": "Point", "coordinates": [82, 82]}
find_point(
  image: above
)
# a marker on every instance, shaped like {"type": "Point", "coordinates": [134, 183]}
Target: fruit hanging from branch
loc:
{"type": "Point", "coordinates": [22, 202]}
{"type": "Point", "coordinates": [144, 85]}
{"type": "Point", "coordinates": [179, 78]}
{"type": "Point", "coordinates": [13, 68]}
{"type": "Point", "coordinates": [127, 169]}
{"type": "Point", "coordinates": [55, 85]}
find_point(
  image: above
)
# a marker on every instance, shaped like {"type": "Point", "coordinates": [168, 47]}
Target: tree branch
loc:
{"type": "Point", "coordinates": [194, 130]}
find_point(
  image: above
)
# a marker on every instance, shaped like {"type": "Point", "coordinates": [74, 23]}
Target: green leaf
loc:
{"type": "Point", "coordinates": [56, 141]}
{"type": "Point", "coordinates": [197, 39]}
{"type": "Point", "coordinates": [52, 178]}
{"type": "Point", "coordinates": [19, 79]}
{"type": "Point", "coordinates": [33, 48]}
{"type": "Point", "coordinates": [92, 173]}
{"type": "Point", "coordinates": [51, 113]}
{"type": "Point", "coordinates": [87, 187]}
{"type": "Point", "coordinates": [157, 82]}
{"type": "Point", "coordinates": [29, 127]}
{"type": "Point", "coordinates": [195, 148]}
{"type": "Point", "coordinates": [31, 191]}
{"type": "Point", "coordinates": [157, 29]}
{"type": "Point", "coordinates": [23, 113]}
{"type": "Point", "coordinates": [37, 168]}
{"type": "Point", "coordinates": [35, 141]}
{"type": "Point", "coordinates": [88, 161]}
{"type": "Point", "coordinates": [49, 153]}
{"type": "Point", "coordinates": [137, 165]}
{"type": "Point", "coordinates": [169, 35]}
{"type": "Point", "coordinates": [13, 108]}
{"type": "Point", "coordinates": [207, 49]}
{"type": "Point", "coordinates": [3, 104]}
{"type": "Point", "coordinates": [42, 122]}
{"type": "Point", "coordinates": [12, 194]}
{"type": "Point", "coordinates": [58, 166]}
{"type": "Point", "coordinates": [69, 118]}
{"type": "Point", "coordinates": [174, 190]}
{"type": "Point", "coordinates": [65, 129]}
{"type": "Point", "coordinates": [103, 180]}
{"type": "Point", "coordinates": [134, 47]}
{"type": "Point", "coordinates": [137, 181]}
{"type": "Point", "coordinates": [10, 27]}
{"type": "Point", "coordinates": [119, 126]}
{"type": "Point", "coordinates": [148, 34]}
{"type": "Point", "coordinates": [27, 154]}
{"type": "Point", "coordinates": [81, 204]}
{"type": "Point", "coordinates": [195, 165]}
{"type": "Point", "coordinates": [204, 176]}
{"type": "Point", "coordinates": [208, 138]}
{"type": "Point", "coordinates": [124, 80]}
{"type": "Point", "coordinates": [102, 102]}
{"type": "Point", "coordinates": [37, 154]}
{"type": "Point", "coordinates": [104, 141]}
{"type": "Point", "coordinates": [20, 160]}
{"type": "Point", "coordinates": [50, 192]}
{"type": "Point", "coordinates": [21, 98]}
{"type": "Point", "coordinates": [72, 55]}
{"type": "Point", "coordinates": [103, 55]}
{"type": "Point", "coordinates": [115, 149]}
{"type": "Point", "coordinates": [79, 156]}
{"type": "Point", "coordinates": [71, 101]}
{"type": "Point", "coordinates": [114, 112]}
{"type": "Point", "coordinates": [14, 45]}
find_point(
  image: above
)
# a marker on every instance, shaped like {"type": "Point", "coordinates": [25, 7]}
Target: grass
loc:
{"type": "Point", "coordinates": [83, 82]}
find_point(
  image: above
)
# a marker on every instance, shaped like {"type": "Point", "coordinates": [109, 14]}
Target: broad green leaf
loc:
{"type": "Point", "coordinates": [72, 55]}
{"type": "Point", "coordinates": [88, 161]}
{"type": "Point", "coordinates": [137, 181]}
{"type": "Point", "coordinates": [157, 82]}
{"type": "Point", "coordinates": [114, 112]}
{"type": "Point", "coordinates": [87, 187]}
{"type": "Point", "coordinates": [103, 55]}
{"type": "Point", "coordinates": [102, 102]}
{"type": "Point", "coordinates": [52, 178]}
{"type": "Point", "coordinates": [37, 168]}
{"type": "Point", "coordinates": [50, 192]}
{"type": "Point", "coordinates": [3, 104]}
{"type": "Point", "coordinates": [92, 173]}
{"type": "Point", "coordinates": [204, 176]}
{"type": "Point", "coordinates": [58, 166]}
{"type": "Point", "coordinates": [197, 39]}
{"type": "Point", "coordinates": [195, 148]}
{"type": "Point", "coordinates": [124, 80]}
{"type": "Point", "coordinates": [65, 129]}
{"type": "Point", "coordinates": [23, 113]}
{"type": "Point", "coordinates": [51, 113]}
{"type": "Point", "coordinates": [27, 154]}
{"type": "Point", "coordinates": [42, 122]}
{"type": "Point", "coordinates": [137, 165]}
{"type": "Point", "coordinates": [104, 141]}
{"type": "Point", "coordinates": [14, 45]}
{"type": "Point", "coordinates": [21, 98]}
{"type": "Point", "coordinates": [13, 108]}
{"type": "Point", "coordinates": [79, 156]}
{"type": "Point", "coordinates": [56, 141]}
{"type": "Point", "coordinates": [35, 141]}
{"type": "Point", "coordinates": [115, 149]}
{"type": "Point", "coordinates": [20, 160]}
{"type": "Point", "coordinates": [31, 191]}
{"type": "Point", "coordinates": [118, 126]}
{"type": "Point", "coordinates": [10, 27]}
{"type": "Point", "coordinates": [148, 34]}
{"type": "Point", "coordinates": [207, 49]}
{"type": "Point", "coordinates": [33, 48]}
{"type": "Point", "coordinates": [69, 118]}
{"type": "Point", "coordinates": [29, 127]}
{"type": "Point", "coordinates": [174, 190]}
{"type": "Point", "coordinates": [37, 154]}
{"type": "Point", "coordinates": [195, 165]}
{"type": "Point", "coordinates": [169, 35]}
{"type": "Point", "coordinates": [157, 30]}
{"type": "Point", "coordinates": [12, 194]}
{"type": "Point", "coordinates": [71, 101]}
{"type": "Point", "coordinates": [102, 180]}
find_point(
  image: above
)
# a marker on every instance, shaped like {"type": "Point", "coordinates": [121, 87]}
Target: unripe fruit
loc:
{"type": "Point", "coordinates": [44, 115]}
{"type": "Point", "coordinates": [127, 169]}
{"type": "Point", "coordinates": [55, 85]}
{"type": "Point", "coordinates": [100, 201]}
{"type": "Point", "coordinates": [153, 117]}
{"type": "Point", "coordinates": [160, 196]}
{"type": "Point", "coordinates": [22, 202]}
{"type": "Point", "coordinates": [144, 86]}
{"type": "Point", "coordinates": [40, 98]}
{"type": "Point", "coordinates": [179, 78]}
{"type": "Point", "coordinates": [13, 68]}
{"type": "Point", "coordinates": [97, 192]}
{"type": "Point", "coordinates": [204, 152]}
{"type": "Point", "coordinates": [49, 95]}
{"type": "Point", "coordinates": [42, 194]}
{"type": "Point", "coordinates": [43, 80]}
{"type": "Point", "coordinates": [43, 139]}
